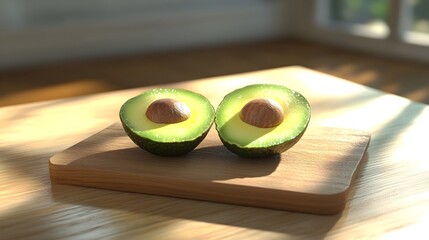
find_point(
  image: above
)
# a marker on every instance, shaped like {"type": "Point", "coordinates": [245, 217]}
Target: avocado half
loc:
{"type": "Point", "coordinates": [247, 140]}
{"type": "Point", "coordinates": [167, 139]}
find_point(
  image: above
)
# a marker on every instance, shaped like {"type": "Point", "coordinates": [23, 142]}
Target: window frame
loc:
{"type": "Point", "coordinates": [312, 24]}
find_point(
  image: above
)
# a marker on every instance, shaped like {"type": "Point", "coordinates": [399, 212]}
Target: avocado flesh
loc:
{"type": "Point", "coordinates": [249, 141]}
{"type": "Point", "coordinates": [167, 139]}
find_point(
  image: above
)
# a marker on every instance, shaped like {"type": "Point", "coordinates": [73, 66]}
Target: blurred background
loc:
{"type": "Point", "coordinates": [53, 49]}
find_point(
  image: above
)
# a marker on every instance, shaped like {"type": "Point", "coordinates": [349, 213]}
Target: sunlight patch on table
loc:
{"type": "Point", "coordinates": [14, 194]}
{"type": "Point", "coordinates": [55, 91]}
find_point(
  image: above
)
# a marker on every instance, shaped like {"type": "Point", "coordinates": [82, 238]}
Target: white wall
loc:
{"type": "Point", "coordinates": [33, 32]}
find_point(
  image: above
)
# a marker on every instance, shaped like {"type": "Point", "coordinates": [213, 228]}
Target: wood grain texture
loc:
{"type": "Point", "coordinates": [389, 198]}
{"type": "Point", "coordinates": [314, 176]}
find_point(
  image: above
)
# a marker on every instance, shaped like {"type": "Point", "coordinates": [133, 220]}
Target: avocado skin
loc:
{"type": "Point", "coordinates": [164, 149]}
{"type": "Point", "coordinates": [262, 152]}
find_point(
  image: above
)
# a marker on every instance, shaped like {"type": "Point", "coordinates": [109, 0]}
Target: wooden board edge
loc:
{"type": "Point", "coordinates": [361, 162]}
{"type": "Point", "coordinates": [155, 185]}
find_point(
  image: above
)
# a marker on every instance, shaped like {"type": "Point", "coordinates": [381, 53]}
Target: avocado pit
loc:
{"type": "Point", "coordinates": [262, 113]}
{"type": "Point", "coordinates": [168, 111]}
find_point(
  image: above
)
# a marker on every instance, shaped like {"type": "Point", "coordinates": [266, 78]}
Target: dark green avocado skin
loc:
{"type": "Point", "coordinates": [261, 152]}
{"type": "Point", "coordinates": [164, 149]}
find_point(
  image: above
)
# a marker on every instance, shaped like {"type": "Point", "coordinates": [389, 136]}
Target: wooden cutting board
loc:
{"type": "Point", "coordinates": [314, 176]}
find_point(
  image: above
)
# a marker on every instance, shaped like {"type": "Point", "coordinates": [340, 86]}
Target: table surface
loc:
{"type": "Point", "coordinates": [389, 197]}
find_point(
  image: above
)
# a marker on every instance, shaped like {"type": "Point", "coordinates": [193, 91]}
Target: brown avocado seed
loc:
{"type": "Point", "coordinates": [167, 110]}
{"type": "Point", "coordinates": [262, 112]}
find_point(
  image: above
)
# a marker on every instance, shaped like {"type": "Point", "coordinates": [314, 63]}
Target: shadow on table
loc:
{"type": "Point", "coordinates": [147, 206]}
{"type": "Point", "coordinates": [207, 163]}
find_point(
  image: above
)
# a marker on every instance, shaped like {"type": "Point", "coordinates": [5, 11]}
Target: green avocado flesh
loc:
{"type": "Point", "coordinates": [167, 139]}
{"type": "Point", "coordinates": [249, 141]}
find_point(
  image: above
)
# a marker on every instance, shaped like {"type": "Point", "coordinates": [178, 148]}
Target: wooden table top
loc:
{"type": "Point", "coordinates": [389, 198]}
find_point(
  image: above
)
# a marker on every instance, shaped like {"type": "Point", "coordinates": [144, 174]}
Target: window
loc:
{"type": "Point", "coordinates": [398, 28]}
{"type": "Point", "coordinates": [415, 17]}
{"type": "Point", "coordinates": [406, 20]}
{"type": "Point", "coordinates": [420, 16]}
{"type": "Point", "coordinates": [362, 17]}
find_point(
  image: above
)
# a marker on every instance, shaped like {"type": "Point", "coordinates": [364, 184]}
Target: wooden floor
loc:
{"type": "Point", "coordinates": [401, 77]}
